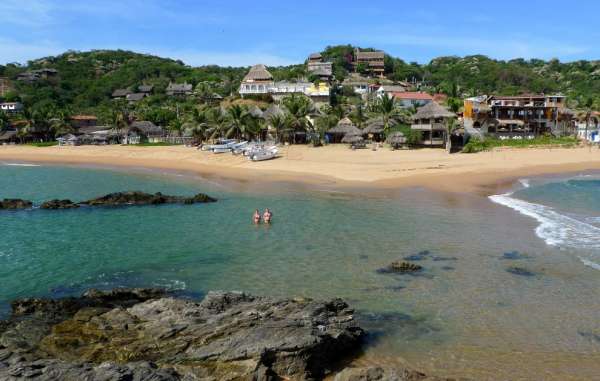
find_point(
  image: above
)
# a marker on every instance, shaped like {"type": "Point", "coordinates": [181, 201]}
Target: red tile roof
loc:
{"type": "Point", "coordinates": [412, 95]}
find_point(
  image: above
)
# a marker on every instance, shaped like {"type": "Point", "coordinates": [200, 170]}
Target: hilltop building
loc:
{"type": "Point", "coordinates": [36, 75]}
{"type": "Point", "coordinates": [259, 81]}
{"type": "Point", "coordinates": [372, 62]}
{"type": "Point", "coordinates": [318, 67]}
{"type": "Point", "coordinates": [523, 116]}
{"type": "Point", "coordinates": [408, 99]}
{"type": "Point", "coordinates": [179, 89]}
{"type": "Point", "coordinates": [83, 121]}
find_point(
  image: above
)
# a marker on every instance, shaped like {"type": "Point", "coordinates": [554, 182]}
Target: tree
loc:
{"type": "Point", "coordinates": [4, 121]}
{"type": "Point", "coordinates": [589, 102]}
{"type": "Point", "coordinates": [358, 115]}
{"type": "Point", "coordinates": [451, 125]}
{"type": "Point", "coordinates": [298, 107]}
{"type": "Point", "coordinates": [237, 122]}
{"type": "Point", "coordinates": [385, 107]}
{"type": "Point", "coordinates": [176, 126]}
{"type": "Point", "coordinates": [281, 125]}
{"type": "Point", "coordinates": [454, 104]}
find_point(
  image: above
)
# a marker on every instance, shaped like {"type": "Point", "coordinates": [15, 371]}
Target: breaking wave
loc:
{"type": "Point", "coordinates": [21, 165]}
{"type": "Point", "coordinates": [554, 228]}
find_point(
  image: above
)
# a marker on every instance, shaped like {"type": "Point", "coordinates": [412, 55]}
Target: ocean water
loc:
{"type": "Point", "coordinates": [509, 287]}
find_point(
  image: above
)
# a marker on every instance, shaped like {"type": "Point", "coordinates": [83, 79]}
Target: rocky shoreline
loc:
{"type": "Point", "coordinates": [131, 198]}
{"type": "Point", "coordinates": [149, 334]}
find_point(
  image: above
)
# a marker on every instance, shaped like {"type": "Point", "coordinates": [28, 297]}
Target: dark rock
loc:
{"type": "Point", "coordinates": [444, 259]}
{"type": "Point", "coordinates": [590, 335]}
{"type": "Point", "coordinates": [400, 267]}
{"type": "Point", "coordinates": [421, 255]}
{"type": "Point", "coordinates": [376, 373]}
{"type": "Point", "coordinates": [141, 198]}
{"type": "Point", "coordinates": [520, 271]}
{"type": "Point", "coordinates": [226, 336]}
{"type": "Point", "coordinates": [447, 268]}
{"type": "Point", "coordinates": [59, 204]}
{"type": "Point", "coordinates": [15, 203]}
{"type": "Point", "coordinates": [513, 255]}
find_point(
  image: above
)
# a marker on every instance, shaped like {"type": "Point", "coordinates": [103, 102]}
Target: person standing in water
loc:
{"type": "Point", "coordinates": [256, 217]}
{"type": "Point", "coordinates": [267, 215]}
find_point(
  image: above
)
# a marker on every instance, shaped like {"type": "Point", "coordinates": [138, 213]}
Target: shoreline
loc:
{"type": "Point", "coordinates": [334, 167]}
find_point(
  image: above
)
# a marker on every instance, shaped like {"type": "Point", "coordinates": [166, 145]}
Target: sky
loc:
{"type": "Point", "coordinates": [243, 33]}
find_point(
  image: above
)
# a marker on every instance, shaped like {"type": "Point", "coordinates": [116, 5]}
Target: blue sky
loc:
{"type": "Point", "coordinates": [241, 33]}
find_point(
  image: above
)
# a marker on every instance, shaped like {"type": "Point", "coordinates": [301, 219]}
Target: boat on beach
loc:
{"type": "Point", "coordinates": [221, 146]}
{"type": "Point", "coordinates": [264, 154]}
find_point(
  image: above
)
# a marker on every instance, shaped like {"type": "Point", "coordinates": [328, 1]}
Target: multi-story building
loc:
{"type": "Point", "coordinates": [372, 62]}
{"type": "Point", "coordinates": [523, 116]}
{"type": "Point", "coordinates": [259, 81]}
{"type": "Point", "coordinates": [317, 66]}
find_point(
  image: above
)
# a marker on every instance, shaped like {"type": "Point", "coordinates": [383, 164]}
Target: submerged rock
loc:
{"type": "Point", "coordinates": [143, 334]}
{"type": "Point", "coordinates": [513, 255]}
{"type": "Point", "coordinates": [520, 271]}
{"type": "Point", "coordinates": [141, 198]}
{"type": "Point", "coordinates": [15, 203]}
{"type": "Point", "coordinates": [59, 204]}
{"type": "Point", "coordinates": [377, 373]}
{"type": "Point", "coordinates": [400, 267]}
{"type": "Point", "coordinates": [421, 255]}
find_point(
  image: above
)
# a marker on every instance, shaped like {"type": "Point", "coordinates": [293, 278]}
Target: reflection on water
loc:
{"type": "Point", "coordinates": [464, 314]}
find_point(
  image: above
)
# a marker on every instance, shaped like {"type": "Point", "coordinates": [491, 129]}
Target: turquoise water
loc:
{"type": "Point", "coordinates": [462, 315]}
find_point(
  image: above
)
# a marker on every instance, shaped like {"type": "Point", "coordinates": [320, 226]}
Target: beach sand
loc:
{"type": "Point", "coordinates": [335, 165]}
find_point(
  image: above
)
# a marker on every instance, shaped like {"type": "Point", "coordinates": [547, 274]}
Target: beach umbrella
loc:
{"type": "Point", "coordinates": [352, 139]}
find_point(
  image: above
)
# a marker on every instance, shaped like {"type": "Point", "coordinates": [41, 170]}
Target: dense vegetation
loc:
{"type": "Point", "coordinates": [477, 145]}
{"type": "Point", "coordinates": [86, 80]}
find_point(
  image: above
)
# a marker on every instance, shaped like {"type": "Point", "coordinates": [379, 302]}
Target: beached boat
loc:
{"type": "Point", "coordinates": [264, 154]}
{"type": "Point", "coordinates": [238, 148]}
{"type": "Point", "coordinates": [221, 146]}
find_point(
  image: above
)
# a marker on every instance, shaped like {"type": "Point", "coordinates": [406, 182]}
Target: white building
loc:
{"type": "Point", "coordinates": [11, 107]}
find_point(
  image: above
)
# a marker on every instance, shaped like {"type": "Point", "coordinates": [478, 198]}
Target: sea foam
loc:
{"type": "Point", "coordinates": [21, 165]}
{"type": "Point", "coordinates": [554, 228]}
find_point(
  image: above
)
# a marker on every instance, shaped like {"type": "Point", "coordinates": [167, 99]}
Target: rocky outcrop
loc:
{"type": "Point", "coordinates": [400, 267]}
{"type": "Point", "coordinates": [112, 199]}
{"type": "Point", "coordinates": [59, 204]}
{"type": "Point", "coordinates": [144, 334]}
{"type": "Point", "coordinates": [141, 198]}
{"type": "Point", "coordinates": [15, 203]}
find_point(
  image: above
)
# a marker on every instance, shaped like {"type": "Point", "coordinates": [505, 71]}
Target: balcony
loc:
{"type": "Point", "coordinates": [428, 127]}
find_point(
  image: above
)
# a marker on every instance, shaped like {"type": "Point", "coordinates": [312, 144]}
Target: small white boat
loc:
{"type": "Point", "coordinates": [221, 146]}
{"type": "Point", "coordinates": [264, 154]}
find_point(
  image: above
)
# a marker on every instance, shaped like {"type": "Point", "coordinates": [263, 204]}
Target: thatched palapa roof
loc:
{"type": "Point", "coordinates": [396, 138]}
{"type": "Point", "coordinates": [375, 126]}
{"type": "Point", "coordinates": [351, 138]}
{"type": "Point", "coordinates": [255, 111]}
{"type": "Point", "coordinates": [432, 110]}
{"type": "Point", "coordinates": [345, 127]}
{"type": "Point", "coordinates": [258, 73]}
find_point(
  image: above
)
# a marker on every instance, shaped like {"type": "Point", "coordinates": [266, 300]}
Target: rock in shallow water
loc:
{"type": "Point", "coordinates": [59, 204]}
{"type": "Point", "coordinates": [15, 203]}
{"type": "Point", "coordinates": [376, 373]}
{"type": "Point", "coordinates": [400, 267]}
{"type": "Point", "coordinates": [226, 336]}
{"type": "Point", "coordinates": [141, 198]}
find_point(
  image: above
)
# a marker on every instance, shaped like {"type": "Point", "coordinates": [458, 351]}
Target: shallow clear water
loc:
{"type": "Point", "coordinates": [465, 315]}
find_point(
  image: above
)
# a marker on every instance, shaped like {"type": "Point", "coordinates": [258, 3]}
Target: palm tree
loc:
{"type": "Point", "coordinates": [280, 124]}
{"type": "Point", "coordinates": [385, 107]}
{"type": "Point", "coordinates": [176, 126]}
{"type": "Point", "coordinates": [197, 124]}
{"type": "Point", "coordinates": [298, 107]}
{"type": "Point", "coordinates": [358, 115]}
{"type": "Point", "coordinates": [237, 121]}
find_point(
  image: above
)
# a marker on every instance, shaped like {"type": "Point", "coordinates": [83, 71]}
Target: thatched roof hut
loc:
{"type": "Point", "coordinates": [345, 127]}
{"type": "Point", "coordinates": [351, 139]}
{"type": "Point", "coordinates": [258, 73]}
{"type": "Point", "coordinates": [375, 126]}
{"type": "Point", "coordinates": [432, 110]}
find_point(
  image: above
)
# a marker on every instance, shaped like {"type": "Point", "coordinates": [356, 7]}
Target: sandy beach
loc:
{"type": "Point", "coordinates": [334, 165]}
